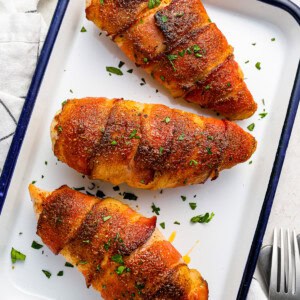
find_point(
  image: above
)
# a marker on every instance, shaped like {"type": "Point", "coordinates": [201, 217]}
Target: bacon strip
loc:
{"type": "Point", "coordinates": [145, 145]}
{"type": "Point", "coordinates": [119, 252]}
{"type": "Point", "coordinates": [176, 42]}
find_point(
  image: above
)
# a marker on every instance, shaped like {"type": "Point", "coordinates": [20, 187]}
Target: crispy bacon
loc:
{"type": "Point", "coordinates": [176, 42]}
{"type": "Point", "coordinates": [119, 252]}
{"type": "Point", "coordinates": [147, 146]}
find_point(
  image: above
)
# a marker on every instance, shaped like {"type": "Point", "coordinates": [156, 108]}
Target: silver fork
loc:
{"type": "Point", "coordinates": [285, 268]}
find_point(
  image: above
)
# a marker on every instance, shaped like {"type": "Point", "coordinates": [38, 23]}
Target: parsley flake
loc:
{"type": "Point", "coordinates": [206, 218]}
{"type": "Point", "coordinates": [114, 70]}
{"type": "Point", "coordinates": [193, 205]}
{"type": "Point", "coordinates": [36, 245]}
{"type": "Point", "coordinates": [155, 209]}
{"type": "Point", "coordinates": [47, 273]}
{"type": "Point", "coordinates": [251, 127]}
{"type": "Point", "coordinates": [16, 255]}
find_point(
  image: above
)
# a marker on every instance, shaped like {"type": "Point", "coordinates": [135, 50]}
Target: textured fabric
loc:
{"type": "Point", "coordinates": [22, 33]}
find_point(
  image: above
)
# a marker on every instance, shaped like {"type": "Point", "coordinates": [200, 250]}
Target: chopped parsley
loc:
{"type": "Point", "coordinates": [117, 258]}
{"type": "Point", "coordinates": [107, 245]}
{"type": "Point", "coordinates": [129, 196]}
{"type": "Point", "coordinates": [36, 245]}
{"type": "Point", "coordinates": [101, 2]}
{"type": "Point", "coordinates": [258, 66]}
{"type": "Point", "coordinates": [193, 205]}
{"type": "Point", "coordinates": [193, 162]}
{"type": "Point", "coordinates": [120, 270]}
{"type": "Point", "coordinates": [83, 29]}
{"type": "Point", "coordinates": [253, 44]}
{"type": "Point", "coordinates": [116, 188]}
{"type": "Point", "coordinates": [145, 59]}
{"type": "Point", "coordinates": [114, 143]}
{"type": "Point", "coordinates": [86, 241]}
{"type": "Point", "coordinates": [208, 149]}
{"type": "Point", "coordinates": [82, 188]}
{"type": "Point", "coordinates": [250, 162]}
{"type": "Point", "coordinates": [16, 255]}
{"type": "Point", "coordinates": [183, 198]}
{"type": "Point", "coordinates": [162, 78]}
{"type": "Point", "coordinates": [164, 19]}
{"type": "Point", "coordinates": [114, 70]}
{"type": "Point", "coordinates": [177, 223]}
{"type": "Point", "coordinates": [59, 128]}
{"type": "Point", "coordinates": [161, 150]}
{"type": "Point", "coordinates": [155, 209]}
{"type": "Point", "coordinates": [153, 3]}
{"type": "Point", "coordinates": [251, 127]}
{"type": "Point", "coordinates": [247, 61]}
{"type": "Point", "coordinates": [69, 265]}
{"type": "Point", "coordinates": [130, 71]}
{"type": "Point", "coordinates": [133, 134]}
{"type": "Point", "coordinates": [82, 262]}
{"type": "Point", "coordinates": [206, 218]}
{"type": "Point", "coordinates": [100, 194]}
{"type": "Point", "coordinates": [262, 115]}
{"type": "Point", "coordinates": [47, 273]}
{"type": "Point", "coordinates": [162, 225]}
{"type": "Point", "coordinates": [181, 137]}
{"type": "Point", "coordinates": [167, 120]}
{"type": "Point", "coordinates": [106, 218]}
{"type": "Point", "coordinates": [121, 64]}
{"type": "Point", "coordinates": [198, 55]}
{"type": "Point", "coordinates": [33, 181]}
{"type": "Point", "coordinates": [207, 87]}
{"type": "Point", "coordinates": [273, 39]}
{"type": "Point", "coordinates": [60, 273]}
{"type": "Point", "coordinates": [181, 53]}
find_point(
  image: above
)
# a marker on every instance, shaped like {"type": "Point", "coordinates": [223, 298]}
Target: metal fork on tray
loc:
{"type": "Point", "coordinates": [285, 268]}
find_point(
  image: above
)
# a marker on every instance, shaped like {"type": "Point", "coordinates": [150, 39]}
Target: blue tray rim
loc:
{"type": "Point", "coordinates": [37, 79]}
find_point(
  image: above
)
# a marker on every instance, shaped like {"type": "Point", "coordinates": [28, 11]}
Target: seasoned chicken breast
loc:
{"type": "Point", "coordinates": [118, 251]}
{"type": "Point", "coordinates": [148, 146]}
{"type": "Point", "coordinates": [176, 42]}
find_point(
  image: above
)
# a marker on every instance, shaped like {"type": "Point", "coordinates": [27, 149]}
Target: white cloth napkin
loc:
{"type": "Point", "coordinates": [22, 33]}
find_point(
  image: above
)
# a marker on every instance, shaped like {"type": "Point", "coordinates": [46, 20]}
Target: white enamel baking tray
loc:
{"type": "Point", "coordinates": [238, 197]}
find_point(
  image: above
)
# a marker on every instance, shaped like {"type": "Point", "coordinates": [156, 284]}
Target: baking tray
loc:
{"type": "Point", "coordinates": [72, 64]}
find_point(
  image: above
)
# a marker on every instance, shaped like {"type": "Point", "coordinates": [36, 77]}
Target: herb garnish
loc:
{"type": "Point", "coordinates": [206, 218]}
{"type": "Point", "coordinates": [118, 259]}
{"type": "Point", "coordinates": [116, 188]}
{"type": "Point", "coordinates": [164, 19]}
{"type": "Point", "coordinates": [79, 188]}
{"type": "Point", "coordinates": [114, 143]}
{"type": "Point", "coordinates": [257, 65]}
{"type": "Point", "coordinates": [161, 149]}
{"type": "Point", "coordinates": [16, 255]}
{"type": "Point", "coordinates": [106, 218]}
{"type": "Point", "coordinates": [177, 223]}
{"type": "Point", "coordinates": [193, 205]}
{"type": "Point", "coordinates": [272, 39]}
{"type": "Point", "coordinates": [193, 162]}
{"type": "Point", "coordinates": [83, 29]}
{"type": "Point", "coordinates": [181, 137]}
{"type": "Point", "coordinates": [162, 225]}
{"type": "Point", "coordinates": [36, 245]}
{"type": "Point", "coordinates": [153, 3]}
{"type": "Point", "coordinates": [167, 120]}
{"type": "Point", "coordinates": [47, 273]}
{"type": "Point", "coordinates": [120, 270]}
{"type": "Point", "coordinates": [133, 134]}
{"type": "Point", "coordinates": [262, 115]}
{"type": "Point", "coordinates": [130, 71]}
{"type": "Point", "coordinates": [121, 64]}
{"type": "Point", "coordinates": [183, 198]}
{"type": "Point", "coordinates": [60, 273]}
{"type": "Point", "coordinates": [155, 209]}
{"type": "Point", "coordinates": [69, 265]}
{"type": "Point", "coordinates": [100, 194]}
{"type": "Point", "coordinates": [114, 70]}
{"type": "Point", "coordinates": [129, 196]}
{"type": "Point", "coordinates": [251, 127]}
{"type": "Point", "coordinates": [208, 149]}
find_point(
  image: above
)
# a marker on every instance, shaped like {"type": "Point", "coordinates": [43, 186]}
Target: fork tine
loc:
{"type": "Point", "coordinates": [281, 289]}
{"type": "Point", "coordinates": [289, 272]}
{"type": "Point", "coordinates": [297, 264]}
{"type": "Point", "coordinates": [274, 265]}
